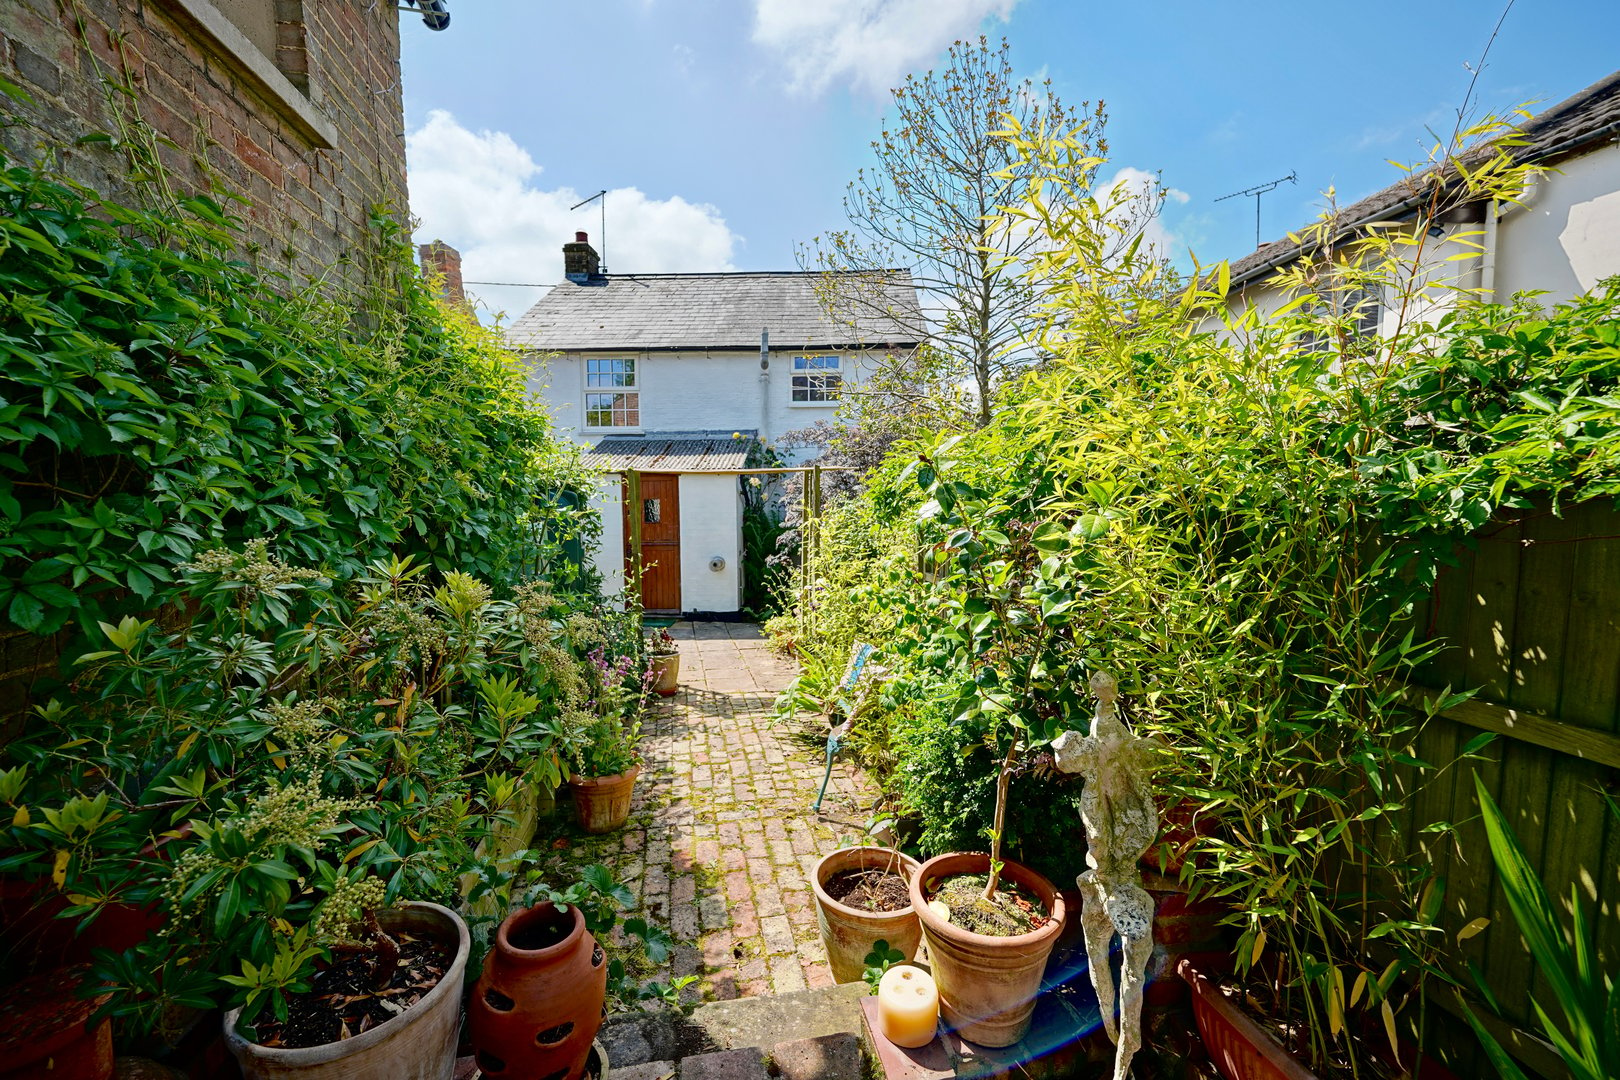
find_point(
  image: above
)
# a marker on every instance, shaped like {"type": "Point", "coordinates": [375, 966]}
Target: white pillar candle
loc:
{"type": "Point", "coordinates": [908, 1005]}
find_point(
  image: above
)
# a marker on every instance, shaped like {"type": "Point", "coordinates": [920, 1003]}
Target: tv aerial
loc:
{"type": "Point", "coordinates": [1257, 191]}
{"type": "Point", "coordinates": [602, 255]}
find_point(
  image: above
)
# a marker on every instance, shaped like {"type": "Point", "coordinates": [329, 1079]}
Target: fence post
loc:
{"type": "Point", "coordinates": [632, 515]}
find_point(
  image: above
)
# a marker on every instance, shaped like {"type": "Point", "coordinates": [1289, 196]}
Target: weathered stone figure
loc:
{"type": "Point", "coordinates": [1121, 823]}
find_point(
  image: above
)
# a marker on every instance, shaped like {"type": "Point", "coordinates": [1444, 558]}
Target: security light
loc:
{"type": "Point", "coordinates": [433, 12]}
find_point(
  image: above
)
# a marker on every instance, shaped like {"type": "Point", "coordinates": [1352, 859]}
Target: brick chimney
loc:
{"type": "Point", "coordinates": [581, 263]}
{"type": "Point", "coordinates": [440, 260]}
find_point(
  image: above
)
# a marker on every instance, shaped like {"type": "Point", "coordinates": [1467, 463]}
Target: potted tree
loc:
{"type": "Point", "coordinates": [990, 924]}
{"type": "Point", "coordinates": [664, 660]}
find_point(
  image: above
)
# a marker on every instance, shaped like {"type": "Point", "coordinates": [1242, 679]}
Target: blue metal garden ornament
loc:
{"type": "Point", "coordinates": [846, 700]}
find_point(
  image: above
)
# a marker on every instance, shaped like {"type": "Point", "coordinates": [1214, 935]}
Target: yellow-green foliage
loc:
{"type": "Point", "coordinates": [1236, 523]}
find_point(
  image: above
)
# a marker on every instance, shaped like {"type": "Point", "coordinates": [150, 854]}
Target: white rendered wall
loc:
{"type": "Point", "coordinates": [1567, 238]}
{"type": "Point", "coordinates": [692, 391]}
{"type": "Point", "coordinates": [711, 525]}
{"type": "Point", "coordinates": [608, 501]}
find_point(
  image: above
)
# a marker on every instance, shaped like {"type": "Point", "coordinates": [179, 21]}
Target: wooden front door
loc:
{"type": "Point", "coordinates": [660, 513]}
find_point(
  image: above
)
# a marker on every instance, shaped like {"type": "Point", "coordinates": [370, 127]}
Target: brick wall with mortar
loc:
{"type": "Point", "coordinates": [312, 136]}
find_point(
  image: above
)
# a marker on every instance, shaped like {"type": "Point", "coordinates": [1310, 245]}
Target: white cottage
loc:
{"type": "Point", "coordinates": [680, 377]}
{"type": "Point", "coordinates": [1561, 236]}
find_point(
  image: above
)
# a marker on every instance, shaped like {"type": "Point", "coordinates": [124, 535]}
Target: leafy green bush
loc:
{"type": "Point", "coordinates": [162, 399]}
{"type": "Point", "coordinates": [295, 741]}
{"type": "Point", "coordinates": [316, 549]}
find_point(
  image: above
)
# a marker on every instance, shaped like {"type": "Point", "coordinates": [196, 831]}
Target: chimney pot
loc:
{"type": "Point", "coordinates": [581, 238]}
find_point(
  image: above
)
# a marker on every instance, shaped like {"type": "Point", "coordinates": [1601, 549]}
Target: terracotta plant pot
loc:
{"type": "Point", "coordinates": [602, 803]}
{"type": "Point", "coordinates": [849, 933]}
{"type": "Point", "coordinates": [1242, 1050]}
{"type": "Point", "coordinates": [418, 1044]}
{"type": "Point", "coordinates": [667, 670]}
{"type": "Point", "coordinates": [987, 985]}
{"type": "Point", "coordinates": [1238, 1046]}
{"type": "Point", "coordinates": [538, 1004]}
{"type": "Point", "coordinates": [45, 1029]}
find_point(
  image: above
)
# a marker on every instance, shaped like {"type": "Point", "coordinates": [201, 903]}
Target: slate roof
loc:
{"type": "Point", "coordinates": [1571, 125]}
{"type": "Point", "coordinates": [711, 311]}
{"type": "Point", "coordinates": [671, 451]}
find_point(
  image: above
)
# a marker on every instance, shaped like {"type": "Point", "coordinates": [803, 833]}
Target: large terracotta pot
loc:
{"type": "Point", "coordinates": [45, 1029]}
{"type": "Point", "coordinates": [538, 1004]}
{"type": "Point", "coordinates": [849, 933]}
{"type": "Point", "coordinates": [602, 803]}
{"type": "Point", "coordinates": [667, 670]}
{"type": "Point", "coordinates": [987, 985]}
{"type": "Point", "coordinates": [418, 1044]}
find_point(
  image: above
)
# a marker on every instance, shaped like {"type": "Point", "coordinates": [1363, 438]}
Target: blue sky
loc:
{"type": "Point", "coordinates": [726, 130]}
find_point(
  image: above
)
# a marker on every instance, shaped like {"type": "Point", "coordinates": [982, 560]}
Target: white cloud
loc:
{"type": "Point", "coordinates": [871, 44]}
{"type": "Point", "coordinates": [478, 192]}
{"type": "Point", "coordinates": [1135, 188]}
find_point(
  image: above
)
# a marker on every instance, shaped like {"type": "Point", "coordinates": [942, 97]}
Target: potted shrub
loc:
{"type": "Point", "coordinates": [664, 661]}
{"type": "Point", "coordinates": [863, 896]}
{"type": "Point", "coordinates": [1005, 602]}
{"type": "Point", "coordinates": [400, 983]}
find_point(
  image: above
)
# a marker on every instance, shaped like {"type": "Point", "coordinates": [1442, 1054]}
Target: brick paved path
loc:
{"type": "Point", "coordinates": [721, 841]}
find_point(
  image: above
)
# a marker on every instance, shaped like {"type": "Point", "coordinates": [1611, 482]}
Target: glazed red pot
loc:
{"type": "Point", "coordinates": [538, 1004]}
{"type": "Point", "coordinates": [45, 1029]}
{"type": "Point", "coordinates": [602, 803]}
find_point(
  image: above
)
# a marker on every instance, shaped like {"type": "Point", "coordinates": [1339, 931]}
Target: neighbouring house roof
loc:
{"type": "Point", "coordinates": [713, 311]}
{"type": "Point", "coordinates": [672, 451]}
{"type": "Point", "coordinates": [1573, 124]}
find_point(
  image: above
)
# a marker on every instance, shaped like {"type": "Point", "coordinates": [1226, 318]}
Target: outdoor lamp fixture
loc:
{"type": "Point", "coordinates": [433, 12]}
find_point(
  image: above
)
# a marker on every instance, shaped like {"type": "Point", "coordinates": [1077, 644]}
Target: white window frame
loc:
{"type": "Point", "coordinates": [630, 388]}
{"type": "Point", "coordinates": [795, 373]}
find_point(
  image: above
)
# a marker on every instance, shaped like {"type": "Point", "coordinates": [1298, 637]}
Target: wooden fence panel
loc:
{"type": "Point", "coordinates": [1533, 621]}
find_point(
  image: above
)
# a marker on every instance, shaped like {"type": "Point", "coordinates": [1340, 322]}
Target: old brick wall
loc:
{"type": "Point", "coordinates": [254, 123]}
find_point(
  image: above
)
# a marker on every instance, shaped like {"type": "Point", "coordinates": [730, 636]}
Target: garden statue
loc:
{"type": "Point", "coordinates": [1121, 824]}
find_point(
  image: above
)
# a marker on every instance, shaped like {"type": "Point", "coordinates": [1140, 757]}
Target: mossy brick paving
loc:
{"type": "Point", "coordinates": [721, 836]}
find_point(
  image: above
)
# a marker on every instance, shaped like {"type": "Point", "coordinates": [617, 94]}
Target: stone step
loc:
{"type": "Point", "coordinates": [804, 1035]}
{"type": "Point", "coordinates": [761, 1023]}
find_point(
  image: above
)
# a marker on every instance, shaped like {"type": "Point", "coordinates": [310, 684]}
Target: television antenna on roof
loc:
{"type": "Point", "coordinates": [602, 256]}
{"type": "Point", "coordinates": [1257, 191]}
